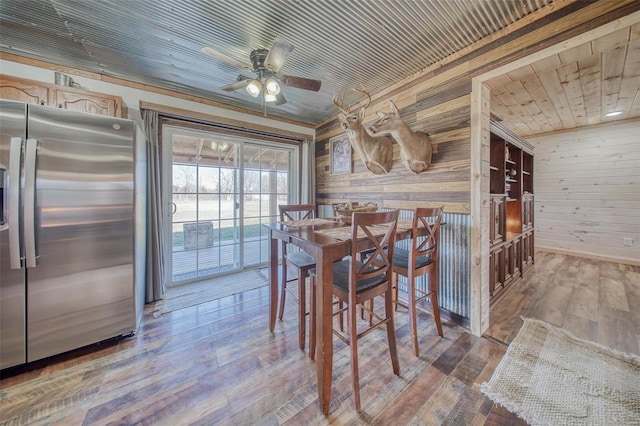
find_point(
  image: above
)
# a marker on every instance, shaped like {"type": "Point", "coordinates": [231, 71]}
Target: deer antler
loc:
{"type": "Point", "coordinates": [365, 92]}
{"type": "Point", "coordinates": [338, 101]}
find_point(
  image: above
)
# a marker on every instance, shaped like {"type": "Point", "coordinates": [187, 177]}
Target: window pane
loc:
{"type": "Point", "coordinates": [252, 181]}
{"type": "Point", "coordinates": [209, 179]}
{"type": "Point", "coordinates": [185, 207]}
{"type": "Point", "coordinates": [251, 206]}
{"type": "Point", "coordinates": [227, 181]}
{"type": "Point", "coordinates": [208, 207]}
{"type": "Point", "coordinates": [184, 178]}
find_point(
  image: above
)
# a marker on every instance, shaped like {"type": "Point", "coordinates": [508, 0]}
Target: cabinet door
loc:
{"type": "Point", "coordinates": [527, 250]}
{"type": "Point", "coordinates": [492, 222]}
{"type": "Point", "coordinates": [26, 91]}
{"type": "Point", "coordinates": [84, 102]}
{"type": "Point", "coordinates": [507, 261]}
{"type": "Point", "coordinates": [496, 272]}
{"type": "Point", "coordinates": [516, 257]}
{"type": "Point", "coordinates": [496, 220]}
{"type": "Point", "coordinates": [492, 273]}
{"type": "Point", "coordinates": [527, 212]}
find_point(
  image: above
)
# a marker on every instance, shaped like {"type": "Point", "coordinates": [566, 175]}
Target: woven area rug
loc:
{"type": "Point", "coordinates": [184, 296]}
{"type": "Point", "coordinates": [550, 377]}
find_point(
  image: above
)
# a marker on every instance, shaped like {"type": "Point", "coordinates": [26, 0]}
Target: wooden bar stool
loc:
{"type": "Point", "coordinates": [298, 260]}
{"type": "Point", "coordinates": [421, 259]}
{"type": "Point", "coordinates": [356, 281]}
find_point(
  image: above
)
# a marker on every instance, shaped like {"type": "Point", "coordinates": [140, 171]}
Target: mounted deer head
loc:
{"type": "Point", "coordinates": [375, 152]}
{"type": "Point", "coordinates": [415, 147]}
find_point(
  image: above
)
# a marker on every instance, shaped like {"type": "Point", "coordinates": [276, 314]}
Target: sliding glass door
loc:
{"type": "Point", "coordinates": [221, 190]}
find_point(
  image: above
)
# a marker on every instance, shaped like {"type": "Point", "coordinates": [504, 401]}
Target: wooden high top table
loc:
{"type": "Point", "coordinates": [326, 249]}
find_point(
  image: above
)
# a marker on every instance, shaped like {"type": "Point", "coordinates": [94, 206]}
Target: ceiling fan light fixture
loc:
{"type": "Point", "coordinates": [265, 63]}
{"type": "Point", "coordinates": [271, 86]}
{"type": "Point", "coordinates": [254, 88]}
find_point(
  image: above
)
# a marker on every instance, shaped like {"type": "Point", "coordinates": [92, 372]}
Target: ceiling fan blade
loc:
{"type": "Point", "coordinates": [278, 54]}
{"type": "Point", "coordinates": [241, 83]}
{"type": "Point", "coordinates": [224, 58]}
{"type": "Point", "coordinates": [280, 99]}
{"type": "Point", "coordinates": [301, 82]}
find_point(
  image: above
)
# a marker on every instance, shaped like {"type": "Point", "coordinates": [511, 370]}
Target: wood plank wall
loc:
{"type": "Point", "coordinates": [587, 186]}
{"type": "Point", "coordinates": [437, 101]}
{"type": "Point", "coordinates": [444, 113]}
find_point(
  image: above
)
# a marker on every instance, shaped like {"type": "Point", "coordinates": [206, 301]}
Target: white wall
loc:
{"type": "Point", "coordinates": [587, 191]}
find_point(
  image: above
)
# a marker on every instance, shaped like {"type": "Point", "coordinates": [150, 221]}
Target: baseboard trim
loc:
{"type": "Point", "coordinates": [590, 256]}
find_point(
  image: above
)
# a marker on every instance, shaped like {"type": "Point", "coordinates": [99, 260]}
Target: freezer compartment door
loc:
{"type": "Point", "coordinates": [81, 289]}
{"type": "Point", "coordinates": [12, 275]}
{"type": "Point", "coordinates": [71, 311]}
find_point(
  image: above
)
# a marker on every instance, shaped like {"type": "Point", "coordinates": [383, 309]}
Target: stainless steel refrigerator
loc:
{"type": "Point", "coordinates": [66, 230]}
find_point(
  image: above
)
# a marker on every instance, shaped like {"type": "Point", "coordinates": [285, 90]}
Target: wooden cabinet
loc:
{"type": "Point", "coordinates": [496, 219]}
{"type": "Point", "coordinates": [511, 208]}
{"type": "Point", "coordinates": [527, 173]}
{"type": "Point", "coordinates": [515, 266]}
{"type": "Point", "coordinates": [27, 91]}
{"type": "Point", "coordinates": [507, 258]}
{"type": "Point", "coordinates": [527, 251]}
{"type": "Point", "coordinates": [93, 103]}
{"type": "Point", "coordinates": [496, 272]}
{"type": "Point", "coordinates": [527, 212]}
{"type": "Point", "coordinates": [36, 92]}
{"type": "Point", "coordinates": [506, 265]}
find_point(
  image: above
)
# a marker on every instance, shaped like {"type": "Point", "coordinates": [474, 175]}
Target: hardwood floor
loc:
{"type": "Point", "coordinates": [217, 363]}
{"type": "Point", "coordinates": [595, 300]}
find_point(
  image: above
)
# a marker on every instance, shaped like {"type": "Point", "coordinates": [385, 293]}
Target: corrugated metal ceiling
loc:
{"type": "Point", "coordinates": [343, 43]}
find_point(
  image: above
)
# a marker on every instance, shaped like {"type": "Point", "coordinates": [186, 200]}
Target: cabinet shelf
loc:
{"type": "Point", "coordinates": [510, 224]}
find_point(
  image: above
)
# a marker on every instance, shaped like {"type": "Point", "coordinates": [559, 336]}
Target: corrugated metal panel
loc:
{"type": "Point", "coordinates": [344, 43]}
{"type": "Point", "coordinates": [455, 264]}
{"type": "Point", "coordinates": [454, 282]}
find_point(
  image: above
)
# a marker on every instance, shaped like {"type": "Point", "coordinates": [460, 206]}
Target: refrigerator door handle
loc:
{"type": "Point", "coordinates": [30, 202]}
{"type": "Point", "coordinates": [13, 203]}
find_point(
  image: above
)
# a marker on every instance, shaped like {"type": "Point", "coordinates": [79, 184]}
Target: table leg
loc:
{"type": "Point", "coordinates": [324, 333]}
{"type": "Point", "coordinates": [273, 280]}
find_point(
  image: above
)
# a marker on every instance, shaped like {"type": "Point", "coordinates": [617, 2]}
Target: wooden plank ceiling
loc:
{"type": "Point", "coordinates": [575, 88]}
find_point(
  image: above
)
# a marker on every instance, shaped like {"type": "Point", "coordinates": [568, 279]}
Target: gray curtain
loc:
{"type": "Point", "coordinates": [308, 182]}
{"type": "Point", "coordinates": [155, 283]}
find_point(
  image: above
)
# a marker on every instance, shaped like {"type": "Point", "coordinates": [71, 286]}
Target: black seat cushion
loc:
{"type": "Point", "coordinates": [401, 259]}
{"type": "Point", "coordinates": [301, 259]}
{"type": "Point", "coordinates": [341, 277]}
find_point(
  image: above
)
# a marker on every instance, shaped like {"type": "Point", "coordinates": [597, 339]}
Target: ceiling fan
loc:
{"type": "Point", "coordinates": [265, 63]}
